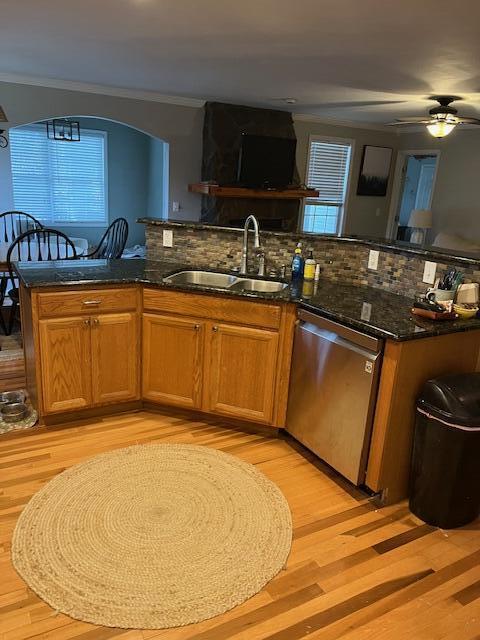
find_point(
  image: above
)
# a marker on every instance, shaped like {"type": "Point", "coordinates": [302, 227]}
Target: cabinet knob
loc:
{"type": "Point", "coordinates": [215, 329]}
{"type": "Point", "coordinates": [86, 322]}
{"type": "Point", "coordinates": [196, 327]}
{"type": "Point", "coordinates": [95, 321]}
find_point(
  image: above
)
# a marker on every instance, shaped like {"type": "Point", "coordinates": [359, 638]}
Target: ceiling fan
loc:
{"type": "Point", "coordinates": [441, 120]}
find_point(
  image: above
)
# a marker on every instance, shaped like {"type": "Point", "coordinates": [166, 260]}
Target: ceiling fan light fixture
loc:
{"type": "Point", "coordinates": [442, 125]}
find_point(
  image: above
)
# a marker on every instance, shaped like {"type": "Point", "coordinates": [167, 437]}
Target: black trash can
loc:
{"type": "Point", "coordinates": [445, 472]}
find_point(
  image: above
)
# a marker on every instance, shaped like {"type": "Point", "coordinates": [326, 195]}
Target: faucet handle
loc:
{"type": "Point", "coordinates": [261, 261]}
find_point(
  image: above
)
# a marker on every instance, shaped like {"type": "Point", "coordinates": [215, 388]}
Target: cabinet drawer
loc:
{"type": "Point", "coordinates": [219, 307]}
{"type": "Point", "coordinates": [88, 301]}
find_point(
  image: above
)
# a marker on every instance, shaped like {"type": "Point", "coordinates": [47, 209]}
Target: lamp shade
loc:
{"type": "Point", "coordinates": [421, 219]}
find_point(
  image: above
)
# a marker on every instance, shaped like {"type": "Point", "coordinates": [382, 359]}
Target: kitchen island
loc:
{"type": "Point", "coordinates": [102, 336]}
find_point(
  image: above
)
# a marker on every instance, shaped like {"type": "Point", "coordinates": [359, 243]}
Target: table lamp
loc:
{"type": "Point", "coordinates": [420, 220]}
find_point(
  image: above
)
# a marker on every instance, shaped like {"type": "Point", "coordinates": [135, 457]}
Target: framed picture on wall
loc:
{"type": "Point", "coordinates": [374, 171]}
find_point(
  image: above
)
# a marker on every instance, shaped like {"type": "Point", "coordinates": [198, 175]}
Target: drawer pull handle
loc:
{"type": "Point", "coordinates": [91, 302]}
{"type": "Point", "coordinates": [215, 329]}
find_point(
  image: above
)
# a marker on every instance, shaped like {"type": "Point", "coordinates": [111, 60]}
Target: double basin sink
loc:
{"type": "Point", "coordinates": [225, 281]}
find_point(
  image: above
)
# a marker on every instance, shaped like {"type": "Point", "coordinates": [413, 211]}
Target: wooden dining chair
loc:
{"type": "Point", "coordinates": [36, 245]}
{"type": "Point", "coordinates": [12, 225]}
{"type": "Point", "coordinates": [113, 241]}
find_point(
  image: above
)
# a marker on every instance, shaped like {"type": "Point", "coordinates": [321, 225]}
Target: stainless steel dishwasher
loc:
{"type": "Point", "coordinates": [333, 389]}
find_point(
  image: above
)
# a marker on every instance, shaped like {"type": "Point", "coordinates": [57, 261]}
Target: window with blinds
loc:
{"type": "Point", "coordinates": [60, 183]}
{"type": "Point", "coordinates": [327, 171]}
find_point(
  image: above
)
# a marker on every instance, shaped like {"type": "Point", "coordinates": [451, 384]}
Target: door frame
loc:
{"type": "Point", "coordinates": [397, 191]}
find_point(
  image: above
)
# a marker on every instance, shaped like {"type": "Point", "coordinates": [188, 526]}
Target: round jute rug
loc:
{"type": "Point", "coordinates": [153, 536]}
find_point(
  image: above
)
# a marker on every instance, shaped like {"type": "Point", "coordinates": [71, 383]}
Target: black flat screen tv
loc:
{"type": "Point", "coordinates": [266, 162]}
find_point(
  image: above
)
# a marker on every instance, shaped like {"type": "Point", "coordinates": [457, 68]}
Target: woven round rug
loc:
{"type": "Point", "coordinates": [153, 536]}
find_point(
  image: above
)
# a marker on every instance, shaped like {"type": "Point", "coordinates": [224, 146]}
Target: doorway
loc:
{"type": "Point", "coordinates": [416, 174]}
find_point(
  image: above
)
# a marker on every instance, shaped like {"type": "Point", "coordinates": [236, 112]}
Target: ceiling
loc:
{"type": "Point", "coordinates": [350, 60]}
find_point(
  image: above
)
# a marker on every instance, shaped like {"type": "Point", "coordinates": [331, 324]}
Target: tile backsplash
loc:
{"type": "Point", "coordinates": [398, 272]}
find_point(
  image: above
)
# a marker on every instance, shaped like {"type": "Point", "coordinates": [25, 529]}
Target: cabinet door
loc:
{"type": "Point", "coordinates": [172, 360]}
{"type": "Point", "coordinates": [242, 372]}
{"type": "Point", "coordinates": [115, 368]}
{"type": "Point", "coordinates": [65, 364]}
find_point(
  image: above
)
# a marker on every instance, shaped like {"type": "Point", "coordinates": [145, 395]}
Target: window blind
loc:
{"type": "Point", "coordinates": [328, 166]}
{"type": "Point", "coordinates": [58, 182]}
{"type": "Point", "coordinates": [327, 170]}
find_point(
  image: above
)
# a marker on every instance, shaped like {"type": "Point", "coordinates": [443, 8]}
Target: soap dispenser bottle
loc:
{"type": "Point", "coordinates": [309, 269]}
{"type": "Point", "coordinates": [298, 263]}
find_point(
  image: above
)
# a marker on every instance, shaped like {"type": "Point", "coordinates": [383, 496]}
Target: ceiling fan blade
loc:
{"type": "Point", "coordinates": [410, 119]}
{"type": "Point", "coordinates": [357, 103]}
{"type": "Point", "coordinates": [408, 122]}
{"type": "Point", "coordinates": [463, 120]}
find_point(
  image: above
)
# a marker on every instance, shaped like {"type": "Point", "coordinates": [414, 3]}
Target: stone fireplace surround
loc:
{"type": "Point", "coordinates": [222, 129]}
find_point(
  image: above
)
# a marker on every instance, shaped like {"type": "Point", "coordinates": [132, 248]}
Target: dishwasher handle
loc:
{"type": "Point", "coordinates": [352, 335]}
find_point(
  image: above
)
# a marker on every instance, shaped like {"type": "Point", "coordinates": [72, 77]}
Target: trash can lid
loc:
{"type": "Point", "coordinates": [454, 398]}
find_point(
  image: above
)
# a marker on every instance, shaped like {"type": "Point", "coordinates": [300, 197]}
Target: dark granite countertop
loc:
{"type": "Point", "coordinates": [376, 312]}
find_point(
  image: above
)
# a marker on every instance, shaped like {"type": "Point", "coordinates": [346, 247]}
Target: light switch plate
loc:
{"type": "Point", "coordinates": [167, 238]}
{"type": "Point", "coordinates": [175, 206]}
{"type": "Point", "coordinates": [373, 259]}
{"type": "Point", "coordinates": [429, 272]}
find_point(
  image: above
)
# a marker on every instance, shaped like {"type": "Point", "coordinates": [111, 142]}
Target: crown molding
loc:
{"type": "Point", "coordinates": [119, 92]}
{"type": "Point", "coordinates": [354, 124]}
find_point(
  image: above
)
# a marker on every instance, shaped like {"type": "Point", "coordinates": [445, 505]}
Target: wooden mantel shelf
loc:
{"type": "Point", "coordinates": [241, 192]}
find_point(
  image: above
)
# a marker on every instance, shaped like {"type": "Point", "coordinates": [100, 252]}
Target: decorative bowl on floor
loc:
{"type": "Point", "coordinates": [14, 412]}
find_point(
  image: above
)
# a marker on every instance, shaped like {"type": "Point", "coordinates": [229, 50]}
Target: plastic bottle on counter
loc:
{"type": "Point", "coordinates": [298, 263]}
{"type": "Point", "coordinates": [309, 269]}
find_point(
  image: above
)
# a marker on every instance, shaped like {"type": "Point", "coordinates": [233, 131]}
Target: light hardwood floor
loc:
{"type": "Point", "coordinates": [354, 573]}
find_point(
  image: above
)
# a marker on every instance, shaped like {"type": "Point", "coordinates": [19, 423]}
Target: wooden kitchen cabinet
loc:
{"type": "Point", "coordinates": [115, 357]}
{"type": "Point", "coordinates": [173, 360]}
{"type": "Point", "coordinates": [65, 364]}
{"type": "Point", "coordinates": [88, 361]}
{"type": "Point", "coordinates": [82, 348]}
{"type": "Point", "coordinates": [217, 354]}
{"type": "Point", "coordinates": [88, 349]}
{"type": "Point", "coordinates": [241, 372]}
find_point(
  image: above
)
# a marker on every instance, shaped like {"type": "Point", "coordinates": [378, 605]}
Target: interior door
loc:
{"type": "Point", "coordinates": [173, 360]}
{"type": "Point", "coordinates": [424, 196]}
{"type": "Point", "coordinates": [115, 365]}
{"type": "Point", "coordinates": [65, 364]}
{"type": "Point", "coordinates": [241, 371]}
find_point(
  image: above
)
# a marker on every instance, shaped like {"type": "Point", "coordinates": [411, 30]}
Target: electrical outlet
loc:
{"type": "Point", "coordinates": [175, 206]}
{"type": "Point", "coordinates": [366, 311]}
{"type": "Point", "coordinates": [373, 259]}
{"type": "Point", "coordinates": [167, 238]}
{"type": "Point", "coordinates": [429, 272]}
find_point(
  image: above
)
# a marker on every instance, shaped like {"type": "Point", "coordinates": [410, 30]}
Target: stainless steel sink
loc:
{"type": "Point", "coordinates": [202, 278]}
{"type": "Point", "coordinates": [262, 286]}
{"type": "Point", "coordinates": [225, 281]}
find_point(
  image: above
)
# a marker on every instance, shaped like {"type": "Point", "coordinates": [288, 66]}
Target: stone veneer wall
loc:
{"type": "Point", "coordinates": [222, 134]}
{"type": "Point", "coordinates": [346, 262]}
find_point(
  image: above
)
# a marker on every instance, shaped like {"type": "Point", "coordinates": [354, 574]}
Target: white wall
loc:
{"type": "Point", "coordinates": [180, 126]}
{"type": "Point", "coordinates": [130, 174]}
{"type": "Point", "coordinates": [365, 215]}
{"type": "Point", "coordinates": [456, 198]}
{"type": "Point", "coordinates": [156, 191]}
